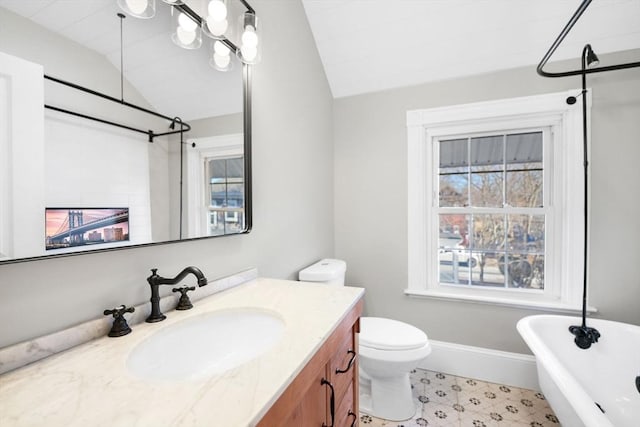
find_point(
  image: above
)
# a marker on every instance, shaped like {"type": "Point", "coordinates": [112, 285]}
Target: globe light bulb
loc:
{"type": "Point", "coordinates": [249, 53]}
{"type": "Point", "coordinates": [221, 61]}
{"type": "Point", "coordinates": [221, 49]}
{"type": "Point", "coordinates": [185, 37]}
{"type": "Point", "coordinates": [249, 37]}
{"type": "Point", "coordinates": [186, 23]}
{"type": "Point", "coordinates": [217, 10]}
{"type": "Point", "coordinates": [217, 28]}
{"type": "Point", "coordinates": [137, 6]}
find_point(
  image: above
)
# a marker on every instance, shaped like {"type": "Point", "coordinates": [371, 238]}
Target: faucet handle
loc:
{"type": "Point", "coordinates": [119, 327]}
{"type": "Point", "coordinates": [184, 303]}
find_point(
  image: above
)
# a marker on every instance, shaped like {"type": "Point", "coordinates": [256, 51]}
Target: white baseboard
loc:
{"type": "Point", "coordinates": [514, 369]}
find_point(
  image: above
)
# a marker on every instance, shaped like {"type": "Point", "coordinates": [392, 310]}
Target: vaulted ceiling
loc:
{"type": "Point", "coordinates": [365, 45]}
{"type": "Point", "coordinates": [170, 78]}
{"type": "Point", "coordinates": [373, 45]}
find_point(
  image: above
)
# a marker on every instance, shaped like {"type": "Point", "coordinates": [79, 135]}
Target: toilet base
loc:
{"type": "Point", "coordinates": [387, 398]}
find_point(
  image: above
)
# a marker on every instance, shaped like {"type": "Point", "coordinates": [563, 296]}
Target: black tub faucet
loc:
{"type": "Point", "coordinates": [155, 281]}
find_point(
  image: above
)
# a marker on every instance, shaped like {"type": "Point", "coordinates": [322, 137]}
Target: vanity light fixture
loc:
{"type": "Point", "coordinates": [188, 27]}
{"type": "Point", "coordinates": [143, 9]}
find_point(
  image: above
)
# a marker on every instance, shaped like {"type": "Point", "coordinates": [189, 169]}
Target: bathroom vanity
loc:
{"type": "Point", "coordinates": [325, 393]}
{"type": "Point", "coordinates": [311, 364]}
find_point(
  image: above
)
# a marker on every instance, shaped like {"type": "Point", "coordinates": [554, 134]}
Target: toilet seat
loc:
{"type": "Point", "coordinates": [388, 351]}
{"type": "Point", "coordinates": [390, 335]}
{"type": "Point", "coordinates": [401, 356]}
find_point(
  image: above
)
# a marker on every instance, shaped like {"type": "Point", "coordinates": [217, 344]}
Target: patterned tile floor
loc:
{"type": "Point", "coordinates": [448, 401]}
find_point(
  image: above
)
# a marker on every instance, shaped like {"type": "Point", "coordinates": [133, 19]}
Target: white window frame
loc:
{"type": "Point", "coordinates": [223, 146]}
{"type": "Point", "coordinates": [564, 200]}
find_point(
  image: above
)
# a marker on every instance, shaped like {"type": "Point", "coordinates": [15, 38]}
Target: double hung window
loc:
{"type": "Point", "coordinates": [495, 202]}
{"type": "Point", "coordinates": [215, 178]}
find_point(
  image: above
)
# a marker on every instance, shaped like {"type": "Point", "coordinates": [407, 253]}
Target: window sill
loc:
{"type": "Point", "coordinates": [506, 302]}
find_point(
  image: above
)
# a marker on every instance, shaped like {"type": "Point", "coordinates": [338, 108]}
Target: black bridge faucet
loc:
{"type": "Point", "coordinates": [155, 281]}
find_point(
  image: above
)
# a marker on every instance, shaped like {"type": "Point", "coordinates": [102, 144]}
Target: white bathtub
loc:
{"type": "Point", "coordinates": [576, 381]}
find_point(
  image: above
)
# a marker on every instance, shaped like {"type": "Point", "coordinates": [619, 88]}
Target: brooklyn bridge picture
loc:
{"type": "Point", "coordinates": [68, 227]}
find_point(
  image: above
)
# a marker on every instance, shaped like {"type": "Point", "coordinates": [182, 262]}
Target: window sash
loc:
{"type": "Point", "coordinates": [504, 210]}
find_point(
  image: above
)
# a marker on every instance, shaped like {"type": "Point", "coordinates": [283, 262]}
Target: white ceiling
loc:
{"type": "Point", "coordinates": [365, 45]}
{"type": "Point", "coordinates": [373, 45]}
{"type": "Point", "coordinates": [175, 81]}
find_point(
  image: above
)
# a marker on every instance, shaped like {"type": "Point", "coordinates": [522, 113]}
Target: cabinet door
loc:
{"type": "Point", "coordinates": [311, 410]}
{"type": "Point", "coordinates": [343, 370]}
{"type": "Point", "coordinates": [307, 401]}
{"type": "Point", "coordinates": [345, 411]}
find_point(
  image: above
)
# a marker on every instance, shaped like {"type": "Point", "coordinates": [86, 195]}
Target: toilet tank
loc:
{"type": "Point", "coordinates": [329, 271]}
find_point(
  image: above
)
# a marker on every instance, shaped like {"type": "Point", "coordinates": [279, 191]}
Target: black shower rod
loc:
{"type": "Point", "coordinates": [184, 127]}
{"type": "Point", "coordinates": [583, 6]}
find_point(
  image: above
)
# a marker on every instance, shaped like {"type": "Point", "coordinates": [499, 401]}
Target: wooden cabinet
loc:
{"type": "Point", "coordinates": [325, 393]}
{"type": "Point", "coordinates": [343, 376]}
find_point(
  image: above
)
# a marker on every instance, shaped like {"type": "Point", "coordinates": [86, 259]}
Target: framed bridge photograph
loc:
{"type": "Point", "coordinates": [71, 227]}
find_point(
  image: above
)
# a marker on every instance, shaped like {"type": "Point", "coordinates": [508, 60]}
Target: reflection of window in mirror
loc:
{"type": "Point", "coordinates": [215, 186]}
{"type": "Point", "coordinates": [224, 191]}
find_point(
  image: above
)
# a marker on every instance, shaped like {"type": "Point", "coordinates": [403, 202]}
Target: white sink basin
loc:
{"type": "Point", "coordinates": [205, 345]}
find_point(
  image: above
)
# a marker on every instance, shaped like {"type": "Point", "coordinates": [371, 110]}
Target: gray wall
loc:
{"type": "Point", "coordinates": [294, 162]}
{"type": "Point", "coordinates": [293, 200]}
{"type": "Point", "coordinates": [371, 199]}
{"type": "Point", "coordinates": [221, 125]}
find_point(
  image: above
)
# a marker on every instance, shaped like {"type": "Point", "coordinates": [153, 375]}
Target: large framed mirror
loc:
{"type": "Point", "coordinates": [70, 184]}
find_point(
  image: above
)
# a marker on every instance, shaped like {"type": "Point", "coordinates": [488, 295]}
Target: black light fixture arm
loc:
{"type": "Point", "coordinates": [578, 13]}
{"type": "Point", "coordinates": [249, 8]}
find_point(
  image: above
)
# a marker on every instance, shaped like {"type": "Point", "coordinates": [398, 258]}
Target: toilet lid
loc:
{"type": "Point", "coordinates": [388, 334]}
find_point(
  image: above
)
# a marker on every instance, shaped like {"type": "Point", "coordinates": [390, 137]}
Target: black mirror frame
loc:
{"type": "Point", "coordinates": [248, 188]}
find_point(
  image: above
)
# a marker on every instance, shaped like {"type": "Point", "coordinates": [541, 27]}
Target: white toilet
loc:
{"type": "Point", "coordinates": [389, 350]}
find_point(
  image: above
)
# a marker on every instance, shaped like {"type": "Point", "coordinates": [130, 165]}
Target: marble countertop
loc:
{"type": "Point", "coordinates": [89, 385]}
